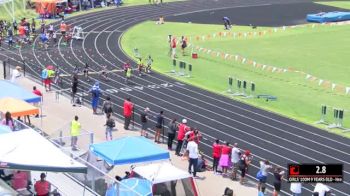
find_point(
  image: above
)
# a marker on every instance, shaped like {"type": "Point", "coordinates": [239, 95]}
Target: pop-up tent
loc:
{"type": "Point", "coordinates": [9, 89]}
{"type": "Point", "coordinates": [167, 179]}
{"type": "Point", "coordinates": [28, 150]}
{"type": "Point", "coordinates": [131, 187]}
{"type": "Point", "coordinates": [129, 150]}
{"type": "Point", "coordinates": [17, 107]}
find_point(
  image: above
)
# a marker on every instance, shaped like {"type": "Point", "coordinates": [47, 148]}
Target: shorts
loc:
{"type": "Point", "coordinates": [144, 126]}
{"type": "Point", "coordinates": [173, 51]}
{"type": "Point", "coordinates": [277, 186]}
{"type": "Point", "coordinates": [263, 179]}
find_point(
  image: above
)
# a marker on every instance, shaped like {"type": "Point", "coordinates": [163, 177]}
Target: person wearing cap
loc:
{"type": "Point", "coordinates": [95, 92]}
{"type": "Point", "coordinates": [243, 165]}
{"type": "Point", "coordinates": [183, 128]}
{"type": "Point", "coordinates": [42, 187]}
{"type": "Point", "coordinates": [16, 74]}
{"type": "Point", "coordinates": [128, 110]}
{"type": "Point", "coordinates": [144, 120]}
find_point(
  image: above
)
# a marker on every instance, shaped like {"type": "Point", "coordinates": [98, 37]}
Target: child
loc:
{"type": "Point", "coordinates": [140, 66]}
{"type": "Point", "coordinates": [149, 63]}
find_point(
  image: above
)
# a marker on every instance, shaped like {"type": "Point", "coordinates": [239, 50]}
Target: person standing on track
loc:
{"type": "Point", "coordinates": [171, 133]}
{"type": "Point", "coordinates": [128, 75]}
{"type": "Point", "coordinates": [144, 120]}
{"type": "Point", "coordinates": [140, 66]}
{"type": "Point", "coordinates": [75, 128]}
{"type": "Point", "coordinates": [128, 112]}
{"type": "Point", "coordinates": [159, 126]}
{"type": "Point", "coordinates": [235, 156]}
{"type": "Point", "coordinates": [183, 128]}
{"type": "Point", "coordinates": [243, 165]}
{"type": "Point", "coordinates": [265, 166]}
{"type": "Point", "coordinates": [75, 83]}
{"type": "Point", "coordinates": [96, 93]}
{"type": "Point", "coordinates": [278, 174]}
{"type": "Point", "coordinates": [225, 159]}
{"type": "Point", "coordinates": [86, 71]}
{"type": "Point", "coordinates": [107, 106]}
{"type": "Point", "coordinates": [216, 155]}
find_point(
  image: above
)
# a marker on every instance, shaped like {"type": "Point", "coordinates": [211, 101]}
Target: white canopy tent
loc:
{"type": "Point", "coordinates": [28, 150]}
{"type": "Point", "coordinates": [168, 179]}
{"type": "Point", "coordinates": [161, 172]}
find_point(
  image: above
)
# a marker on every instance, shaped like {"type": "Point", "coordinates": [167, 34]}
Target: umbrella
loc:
{"type": "Point", "coordinates": [4, 129]}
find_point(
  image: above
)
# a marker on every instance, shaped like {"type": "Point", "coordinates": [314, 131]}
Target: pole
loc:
{"type": "Point", "coordinates": [163, 136]}
{"type": "Point", "coordinates": [24, 67]}
{"type": "Point", "coordinates": [4, 66]}
{"type": "Point", "coordinates": [13, 11]}
{"type": "Point", "coordinates": [133, 117]}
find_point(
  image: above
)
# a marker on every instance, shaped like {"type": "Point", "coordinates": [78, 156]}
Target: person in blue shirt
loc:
{"type": "Point", "coordinates": [227, 23]}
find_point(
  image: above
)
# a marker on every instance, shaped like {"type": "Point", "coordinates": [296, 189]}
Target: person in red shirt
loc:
{"type": "Point", "coordinates": [37, 92]}
{"type": "Point", "coordinates": [225, 160]}
{"type": "Point", "coordinates": [42, 187]}
{"type": "Point", "coordinates": [216, 155]}
{"type": "Point", "coordinates": [183, 128]}
{"type": "Point", "coordinates": [194, 135]}
{"type": "Point", "coordinates": [173, 47]}
{"type": "Point", "coordinates": [128, 111]}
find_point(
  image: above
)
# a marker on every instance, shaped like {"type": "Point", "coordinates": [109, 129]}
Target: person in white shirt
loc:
{"type": "Point", "coordinates": [235, 156]}
{"type": "Point", "coordinates": [295, 188]}
{"type": "Point", "coordinates": [321, 189]}
{"type": "Point", "coordinates": [264, 167]}
{"type": "Point", "coordinates": [15, 74]}
{"type": "Point", "coordinates": [192, 151]}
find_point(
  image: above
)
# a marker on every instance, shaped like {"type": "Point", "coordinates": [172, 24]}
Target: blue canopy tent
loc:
{"type": "Point", "coordinates": [129, 150]}
{"type": "Point", "coordinates": [129, 186]}
{"type": "Point", "coordinates": [9, 89]}
{"type": "Point", "coordinates": [5, 129]}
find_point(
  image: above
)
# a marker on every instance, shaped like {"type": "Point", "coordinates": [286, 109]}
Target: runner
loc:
{"type": "Point", "coordinates": [110, 124]}
{"type": "Point", "coordinates": [265, 166]}
{"type": "Point", "coordinates": [128, 75]}
{"type": "Point", "coordinates": [183, 44]}
{"type": "Point", "coordinates": [149, 64]}
{"type": "Point", "coordinates": [104, 72]}
{"type": "Point", "coordinates": [140, 66]}
{"type": "Point", "coordinates": [86, 71]}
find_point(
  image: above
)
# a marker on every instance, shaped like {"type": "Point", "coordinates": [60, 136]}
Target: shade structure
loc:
{"type": "Point", "coordinates": [131, 187]}
{"type": "Point", "coordinates": [17, 107]}
{"type": "Point", "coordinates": [161, 172]}
{"type": "Point", "coordinates": [9, 89]}
{"type": "Point", "coordinates": [28, 150]}
{"type": "Point", "coordinates": [5, 129]}
{"type": "Point", "coordinates": [48, 1]}
{"type": "Point", "coordinates": [129, 150]}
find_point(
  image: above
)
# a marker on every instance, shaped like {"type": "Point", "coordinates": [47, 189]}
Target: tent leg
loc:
{"type": "Point", "coordinates": [41, 118]}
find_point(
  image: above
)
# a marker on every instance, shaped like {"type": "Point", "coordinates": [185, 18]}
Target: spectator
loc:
{"type": "Point", "coordinates": [235, 156]}
{"type": "Point", "coordinates": [110, 124]}
{"type": "Point", "coordinates": [278, 173]}
{"type": "Point", "coordinates": [216, 155]}
{"type": "Point", "coordinates": [36, 91]}
{"type": "Point", "coordinates": [107, 106]}
{"type": "Point", "coordinates": [295, 188]}
{"type": "Point", "coordinates": [86, 71]}
{"type": "Point", "coordinates": [159, 126]}
{"type": "Point", "coordinates": [321, 190]}
{"type": "Point", "coordinates": [171, 133]}
{"type": "Point", "coordinates": [262, 174]}
{"type": "Point", "coordinates": [20, 180]}
{"type": "Point", "coordinates": [15, 74]}
{"type": "Point", "coordinates": [194, 134]}
{"type": "Point", "coordinates": [95, 92]}
{"type": "Point", "coordinates": [42, 187]}
{"type": "Point", "coordinates": [261, 191]}
{"type": "Point", "coordinates": [75, 83]}
{"type": "Point", "coordinates": [144, 120]}
{"type": "Point", "coordinates": [128, 111]}
{"type": "Point", "coordinates": [75, 132]}
{"type": "Point", "coordinates": [8, 121]}
{"type": "Point", "coordinates": [183, 128]}
{"type": "Point", "coordinates": [243, 165]}
{"type": "Point", "coordinates": [46, 79]}
{"type": "Point", "coordinates": [225, 160]}
{"type": "Point", "coordinates": [192, 151]}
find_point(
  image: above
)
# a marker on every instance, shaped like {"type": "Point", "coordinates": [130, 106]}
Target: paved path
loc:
{"type": "Point", "coordinates": [267, 135]}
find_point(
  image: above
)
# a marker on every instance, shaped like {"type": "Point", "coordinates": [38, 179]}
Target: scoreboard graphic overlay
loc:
{"type": "Point", "coordinates": [313, 173]}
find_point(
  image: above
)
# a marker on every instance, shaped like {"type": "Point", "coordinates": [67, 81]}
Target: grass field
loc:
{"type": "Point", "coordinates": [320, 52]}
{"type": "Point", "coordinates": [20, 12]}
{"type": "Point", "coordinates": [339, 4]}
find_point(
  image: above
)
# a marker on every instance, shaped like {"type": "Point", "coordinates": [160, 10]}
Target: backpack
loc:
{"type": "Point", "coordinates": [110, 123]}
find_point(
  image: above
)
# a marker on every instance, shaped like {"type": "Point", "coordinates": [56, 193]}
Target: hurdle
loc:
{"type": "Point", "coordinates": [323, 115]}
{"type": "Point", "coordinates": [239, 87]}
{"type": "Point", "coordinates": [189, 73]}
{"type": "Point", "coordinates": [230, 83]}
{"type": "Point", "coordinates": [251, 91]}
